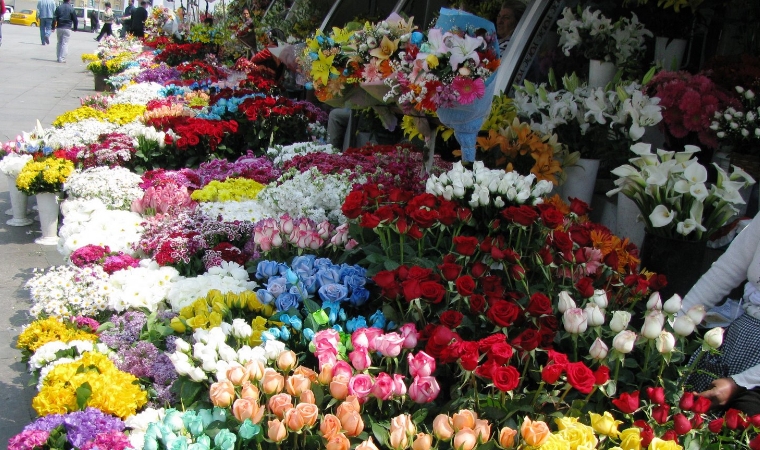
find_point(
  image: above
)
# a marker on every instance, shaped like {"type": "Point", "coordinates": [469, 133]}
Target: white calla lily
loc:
{"type": "Point", "coordinates": [661, 216]}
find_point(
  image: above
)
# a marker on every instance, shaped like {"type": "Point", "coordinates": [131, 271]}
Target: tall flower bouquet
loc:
{"type": "Point", "coordinates": [597, 37]}
{"type": "Point", "coordinates": [326, 60]}
{"type": "Point", "coordinates": [671, 192]}
{"type": "Point", "coordinates": [447, 66]}
{"type": "Point", "coordinates": [583, 117]}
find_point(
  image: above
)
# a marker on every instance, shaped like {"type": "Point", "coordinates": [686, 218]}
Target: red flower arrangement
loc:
{"type": "Point", "coordinates": [200, 71]}
{"type": "Point", "coordinates": [193, 132]}
{"type": "Point", "coordinates": [174, 54]}
{"type": "Point", "coordinates": [689, 104]}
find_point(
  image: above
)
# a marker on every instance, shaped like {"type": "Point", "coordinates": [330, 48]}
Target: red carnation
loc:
{"type": "Point", "coordinates": [352, 205]}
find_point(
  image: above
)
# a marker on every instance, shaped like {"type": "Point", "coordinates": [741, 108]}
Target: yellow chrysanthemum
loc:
{"type": "Point", "coordinates": [42, 331]}
{"type": "Point", "coordinates": [78, 115]}
{"type": "Point", "coordinates": [112, 391]}
{"type": "Point", "coordinates": [45, 175]}
{"type": "Point", "coordinates": [123, 113]}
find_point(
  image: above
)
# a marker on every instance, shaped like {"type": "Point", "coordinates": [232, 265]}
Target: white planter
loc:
{"type": "Point", "coordinates": [600, 73]}
{"type": "Point", "coordinates": [18, 205]}
{"type": "Point", "coordinates": [669, 52]}
{"type": "Point", "coordinates": [580, 181]}
{"type": "Point", "coordinates": [47, 205]}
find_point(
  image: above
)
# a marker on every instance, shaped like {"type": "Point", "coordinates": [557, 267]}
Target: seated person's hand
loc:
{"type": "Point", "coordinates": [721, 392]}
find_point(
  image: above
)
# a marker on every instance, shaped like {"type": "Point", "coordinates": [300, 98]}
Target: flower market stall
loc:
{"type": "Point", "coordinates": [234, 282]}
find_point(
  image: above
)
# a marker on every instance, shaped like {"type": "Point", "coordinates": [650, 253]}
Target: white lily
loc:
{"type": "Point", "coordinates": [463, 49]}
{"type": "Point", "coordinates": [699, 191]}
{"type": "Point", "coordinates": [695, 173]}
{"type": "Point", "coordinates": [661, 216]}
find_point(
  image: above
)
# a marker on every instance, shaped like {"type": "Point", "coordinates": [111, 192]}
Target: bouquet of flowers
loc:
{"type": "Point", "coordinates": [690, 103]}
{"type": "Point", "coordinates": [44, 175]}
{"type": "Point", "coordinates": [326, 59]}
{"type": "Point", "coordinates": [376, 45]}
{"type": "Point", "coordinates": [444, 68]}
{"type": "Point", "coordinates": [13, 162]}
{"type": "Point", "coordinates": [597, 37]}
{"type": "Point", "coordinates": [671, 193]}
{"type": "Point", "coordinates": [740, 127]}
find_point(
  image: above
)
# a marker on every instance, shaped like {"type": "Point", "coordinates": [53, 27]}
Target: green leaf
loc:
{"type": "Point", "coordinates": [389, 264]}
{"type": "Point", "coordinates": [311, 306]}
{"type": "Point", "coordinates": [381, 434]}
{"type": "Point", "coordinates": [419, 416]}
{"type": "Point", "coordinates": [84, 392]}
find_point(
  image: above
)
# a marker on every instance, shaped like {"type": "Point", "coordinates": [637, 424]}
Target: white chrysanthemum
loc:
{"type": "Point", "coordinates": [116, 187]}
{"type": "Point", "coordinates": [80, 133]}
{"type": "Point", "coordinates": [242, 211]}
{"type": "Point", "coordinates": [12, 163]}
{"type": "Point", "coordinates": [68, 291]}
{"type": "Point", "coordinates": [117, 229]}
{"type": "Point", "coordinates": [139, 94]}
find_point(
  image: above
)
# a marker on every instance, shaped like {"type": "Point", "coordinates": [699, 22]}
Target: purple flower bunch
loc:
{"type": "Point", "coordinates": [96, 255]}
{"type": "Point", "coordinates": [160, 74]}
{"type": "Point", "coordinates": [259, 169]}
{"type": "Point", "coordinates": [145, 361]}
{"type": "Point", "coordinates": [125, 331]}
{"type": "Point", "coordinates": [81, 428]}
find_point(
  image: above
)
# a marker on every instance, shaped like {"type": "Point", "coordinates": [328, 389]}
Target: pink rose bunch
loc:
{"type": "Point", "coordinates": [350, 377]}
{"type": "Point", "coordinates": [163, 199]}
{"type": "Point", "coordinates": [287, 233]}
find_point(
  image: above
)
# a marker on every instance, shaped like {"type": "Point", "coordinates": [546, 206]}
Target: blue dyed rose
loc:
{"type": "Point", "coordinates": [327, 276]}
{"type": "Point", "coordinates": [359, 296]}
{"type": "Point", "coordinates": [225, 439]}
{"type": "Point", "coordinates": [267, 269]}
{"type": "Point", "coordinates": [286, 301]}
{"type": "Point", "coordinates": [303, 265]}
{"type": "Point", "coordinates": [264, 296]}
{"type": "Point", "coordinates": [354, 281]}
{"type": "Point", "coordinates": [356, 323]}
{"type": "Point", "coordinates": [333, 292]}
{"type": "Point", "coordinates": [277, 286]}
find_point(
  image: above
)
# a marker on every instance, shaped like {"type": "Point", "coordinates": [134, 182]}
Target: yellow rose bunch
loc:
{"type": "Point", "coordinates": [123, 113]}
{"type": "Point", "coordinates": [230, 190]}
{"type": "Point", "coordinates": [42, 331]}
{"type": "Point", "coordinates": [78, 115]}
{"type": "Point", "coordinates": [576, 433]}
{"type": "Point", "coordinates": [45, 175]}
{"type": "Point", "coordinates": [96, 378]}
{"type": "Point", "coordinates": [209, 312]}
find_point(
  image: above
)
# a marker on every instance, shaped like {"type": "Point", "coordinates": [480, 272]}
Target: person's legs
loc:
{"type": "Point", "coordinates": [45, 30]}
{"type": "Point", "coordinates": [337, 123]}
{"type": "Point", "coordinates": [63, 43]}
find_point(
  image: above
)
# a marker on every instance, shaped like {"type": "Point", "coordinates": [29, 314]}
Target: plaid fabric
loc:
{"type": "Point", "coordinates": [738, 353]}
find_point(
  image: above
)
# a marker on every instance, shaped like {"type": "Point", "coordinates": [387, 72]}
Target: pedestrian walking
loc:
{"type": "Point", "coordinates": [2, 10]}
{"type": "Point", "coordinates": [94, 21]}
{"type": "Point", "coordinates": [64, 20]}
{"type": "Point", "coordinates": [139, 16]}
{"type": "Point", "coordinates": [45, 11]}
{"type": "Point", "coordinates": [108, 17]}
{"type": "Point", "coordinates": [126, 21]}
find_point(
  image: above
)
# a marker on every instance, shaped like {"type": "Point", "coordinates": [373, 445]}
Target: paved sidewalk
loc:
{"type": "Point", "coordinates": [32, 86]}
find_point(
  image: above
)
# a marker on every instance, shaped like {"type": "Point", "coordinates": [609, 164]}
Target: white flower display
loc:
{"type": "Point", "coordinates": [739, 127]}
{"type": "Point", "coordinates": [139, 93]}
{"type": "Point", "coordinates": [12, 163]}
{"type": "Point", "coordinates": [65, 291]}
{"type": "Point", "coordinates": [280, 154]}
{"type": "Point", "coordinates": [228, 277]}
{"type": "Point", "coordinates": [670, 191]}
{"type": "Point", "coordinates": [483, 187]}
{"type": "Point", "coordinates": [78, 133]}
{"type": "Point", "coordinates": [577, 112]}
{"type": "Point", "coordinates": [117, 229]}
{"type": "Point", "coordinates": [117, 187]}
{"type": "Point", "coordinates": [144, 287]}
{"type": "Point", "coordinates": [137, 130]}
{"type": "Point", "coordinates": [243, 211]}
{"type": "Point", "coordinates": [55, 350]}
{"type": "Point", "coordinates": [310, 194]}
